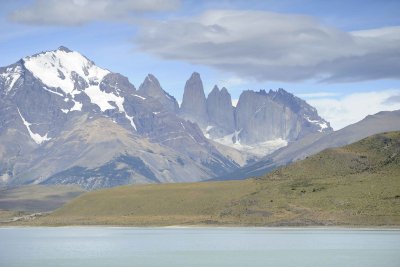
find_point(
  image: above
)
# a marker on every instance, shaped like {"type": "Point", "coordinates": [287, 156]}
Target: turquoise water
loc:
{"type": "Point", "coordinates": [108, 246]}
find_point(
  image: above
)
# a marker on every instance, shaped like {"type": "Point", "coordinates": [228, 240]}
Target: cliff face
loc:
{"type": "Point", "coordinates": [264, 116]}
{"type": "Point", "coordinates": [259, 118]}
{"type": "Point", "coordinates": [194, 105]}
{"type": "Point", "coordinates": [220, 112]}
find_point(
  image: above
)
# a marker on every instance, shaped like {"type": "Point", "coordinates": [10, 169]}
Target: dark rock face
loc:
{"type": "Point", "coordinates": [194, 105]}
{"type": "Point", "coordinates": [220, 112]}
{"type": "Point", "coordinates": [152, 88]}
{"type": "Point", "coordinates": [259, 118]}
{"type": "Point", "coordinates": [310, 121]}
{"type": "Point", "coordinates": [262, 116]}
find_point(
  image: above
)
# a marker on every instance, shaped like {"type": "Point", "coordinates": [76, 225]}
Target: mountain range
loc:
{"type": "Point", "coordinates": [64, 120]}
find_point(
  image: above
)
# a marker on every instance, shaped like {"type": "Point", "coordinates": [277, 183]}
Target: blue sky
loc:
{"type": "Point", "coordinates": [341, 56]}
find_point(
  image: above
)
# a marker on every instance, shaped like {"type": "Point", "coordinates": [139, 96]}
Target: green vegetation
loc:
{"type": "Point", "coordinates": [357, 185]}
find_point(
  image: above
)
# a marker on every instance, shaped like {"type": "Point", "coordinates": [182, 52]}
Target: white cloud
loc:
{"type": "Point", "coordinates": [317, 95]}
{"type": "Point", "coordinates": [76, 12]}
{"type": "Point", "coordinates": [354, 107]}
{"type": "Point", "coordinates": [271, 46]}
{"type": "Point", "coordinates": [231, 82]}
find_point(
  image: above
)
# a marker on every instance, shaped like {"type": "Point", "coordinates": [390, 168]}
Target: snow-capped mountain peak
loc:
{"type": "Point", "coordinates": [58, 69]}
{"type": "Point", "coordinates": [70, 76]}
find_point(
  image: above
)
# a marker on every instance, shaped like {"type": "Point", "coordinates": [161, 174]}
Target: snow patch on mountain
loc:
{"type": "Point", "coordinates": [53, 92]}
{"type": "Point", "coordinates": [130, 118]}
{"type": "Point", "coordinates": [77, 106]}
{"type": "Point", "coordinates": [103, 99]}
{"type": "Point", "coordinates": [259, 149]}
{"type": "Point", "coordinates": [206, 131]}
{"type": "Point", "coordinates": [322, 124]}
{"type": "Point", "coordinates": [36, 137]}
{"type": "Point", "coordinates": [141, 97]}
{"type": "Point", "coordinates": [10, 77]}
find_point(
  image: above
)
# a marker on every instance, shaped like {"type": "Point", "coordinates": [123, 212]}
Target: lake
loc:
{"type": "Point", "coordinates": [113, 246]}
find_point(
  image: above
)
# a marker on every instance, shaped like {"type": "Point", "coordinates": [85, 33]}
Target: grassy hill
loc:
{"type": "Point", "coordinates": [357, 185]}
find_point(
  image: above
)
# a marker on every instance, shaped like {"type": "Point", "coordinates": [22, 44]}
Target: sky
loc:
{"type": "Point", "coordinates": [343, 57]}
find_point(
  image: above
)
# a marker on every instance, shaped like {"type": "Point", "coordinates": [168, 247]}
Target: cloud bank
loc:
{"type": "Point", "coordinates": [252, 45]}
{"type": "Point", "coordinates": [352, 108]}
{"type": "Point", "coordinates": [77, 12]}
{"type": "Point", "coordinates": [272, 46]}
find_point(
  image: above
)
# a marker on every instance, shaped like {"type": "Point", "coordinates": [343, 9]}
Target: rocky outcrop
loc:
{"type": "Point", "coordinates": [262, 121]}
{"type": "Point", "coordinates": [152, 88]}
{"type": "Point", "coordinates": [309, 120]}
{"type": "Point", "coordinates": [259, 118]}
{"type": "Point", "coordinates": [262, 116]}
{"type": "Point", "coordinates": [220, 112]}
{"type": "Point", "coordinates": [194, 107]}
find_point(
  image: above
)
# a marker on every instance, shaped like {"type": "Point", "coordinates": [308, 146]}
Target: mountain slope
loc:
{"type": "Point", "coordinates": [96, 153]}
{"type": "Point", "coordinates": [354, 185]}
{"type": "Point", "coordinates": [313, 143]}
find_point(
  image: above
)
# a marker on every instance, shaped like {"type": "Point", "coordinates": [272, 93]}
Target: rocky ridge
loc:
{"type": "Point", "coordinates": [260, 123]}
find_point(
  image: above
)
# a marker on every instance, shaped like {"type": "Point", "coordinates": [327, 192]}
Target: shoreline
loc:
{"type": "Point", "coordinates": [289, 228]}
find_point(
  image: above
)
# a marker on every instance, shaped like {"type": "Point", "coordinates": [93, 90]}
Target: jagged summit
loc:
{"type": "Point", "coordinates": [224, 90]}
{"type": "Point", "coordinates": [195, 76]}
{"type": "Point", "coordinates": [151, 88]}
{"type": "Point", "coordinates": [214, 90]}
{"type": "Point", "coordinates": [150, 84]}
{"type": "Point", "coordinates": [194, 105]}
{"type": "Point", "coordinates": [220, 111]}
{"type": "Point", "coordinates": [259, 116]}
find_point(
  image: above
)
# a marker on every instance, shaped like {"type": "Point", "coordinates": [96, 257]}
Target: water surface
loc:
{"type": "Point", "coordinates": [107, 246]}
